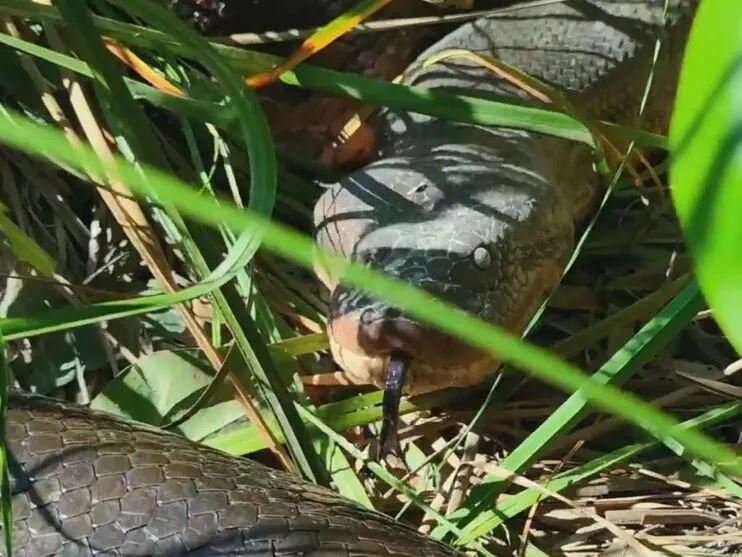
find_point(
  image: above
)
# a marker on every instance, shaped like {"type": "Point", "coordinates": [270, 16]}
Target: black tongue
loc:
{"type": "Point", "coordinates": [395, 380]}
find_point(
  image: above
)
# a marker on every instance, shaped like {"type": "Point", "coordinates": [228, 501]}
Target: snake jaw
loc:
{"type": "Point", "coordinates": [395, 382]}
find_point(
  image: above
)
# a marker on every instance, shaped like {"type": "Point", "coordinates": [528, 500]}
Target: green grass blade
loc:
{"type": "Point", "coordinates": [647, 305]}
{"type": "Point", "coordinates": [21, 133]}
{"type": "Point", "coordinates": [384, 474]}
{"type": "Point", "coordinates": [134, 131]}
{"type": "Point", "coordinates": [476, 510]}
{"type": "Point", "coordinates": [339, 416]}
{"type": "Point", "coordinates": [24, 247]}
{"type": "Point", "coordinates": [344, 476]}
{"type": "Point", "coordinates": [63, 319]}
{"type": "Point", "coordinates": [222, 115]}
{"type": "Point", "coordinates": [512, 506]}
{"type": "Point", "coordinates": [5, 500]}
{"type": "Point", "coordinates": [258, 357]}
{"type": "Point", "coordinates": [436, 103]}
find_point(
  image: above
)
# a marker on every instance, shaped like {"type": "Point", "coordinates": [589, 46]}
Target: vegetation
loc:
{"type": "Point", "coordinates": [158, 266]}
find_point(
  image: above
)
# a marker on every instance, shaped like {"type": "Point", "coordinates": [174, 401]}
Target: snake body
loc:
{"type": "Point", "coordinates": [87, 483]}
{"type": "Point", "coordinates": [482, 217]}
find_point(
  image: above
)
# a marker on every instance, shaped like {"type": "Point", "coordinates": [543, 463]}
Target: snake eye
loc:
{"type": "Point", "coordinates": [481, 258]}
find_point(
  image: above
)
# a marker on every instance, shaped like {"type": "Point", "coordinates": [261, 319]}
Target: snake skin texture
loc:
{"type": "Point", "coordinates": [87, 483]}
{"type": "Point", "coordinates": [485, 217]}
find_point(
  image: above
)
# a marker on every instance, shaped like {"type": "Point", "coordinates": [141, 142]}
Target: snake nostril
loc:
{"type": "Point", "coordinates": [381, 316]}
{"type": "Point", "coordinates": [368, 317]}
{"type": "Point", "coordinates": [393, 313]}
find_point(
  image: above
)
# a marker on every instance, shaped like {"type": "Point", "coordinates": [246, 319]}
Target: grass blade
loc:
{"type": "Point", "coordinates": [19, 132]}
{"type": "Point", "coordinates": [644, 345]}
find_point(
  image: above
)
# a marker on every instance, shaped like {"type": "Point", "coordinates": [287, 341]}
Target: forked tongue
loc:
{"type": "Point", "coordinates": [395, 380]}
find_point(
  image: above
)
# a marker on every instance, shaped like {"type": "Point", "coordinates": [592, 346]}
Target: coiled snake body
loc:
{"type": "Point", "coordinates": [482, 217]}
{"type": "Point", "coordinates": [86, 483]}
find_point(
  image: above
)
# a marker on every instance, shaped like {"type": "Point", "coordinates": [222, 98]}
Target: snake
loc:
{"type": "Point", "coordinates": [482, 217]}
{"type": "Point", "coordinates": [485, 218]}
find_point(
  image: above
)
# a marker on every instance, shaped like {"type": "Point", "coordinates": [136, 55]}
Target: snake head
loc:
{"type": "Point", "coordinates": [460, 225]}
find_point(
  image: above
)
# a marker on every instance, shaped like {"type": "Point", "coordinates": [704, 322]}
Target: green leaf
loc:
{"type": "Point", "coordinates": [706, 158]}
{"type": "Point", "coordinates": [142, 392]}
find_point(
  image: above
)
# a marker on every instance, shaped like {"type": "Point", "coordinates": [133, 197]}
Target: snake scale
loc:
{"type": "Point", "coordinates": [482, 217]}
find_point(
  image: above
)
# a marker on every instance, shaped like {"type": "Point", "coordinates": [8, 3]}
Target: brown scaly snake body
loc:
{"type": "Point", "coordinates": [482, 217]}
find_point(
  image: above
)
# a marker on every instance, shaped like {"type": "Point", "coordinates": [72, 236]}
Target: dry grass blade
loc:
{"type": "Point", "coordinates": [140, 67]}
{"type": "Point", "coordinates": [247, 39]}
{"type": "Point", "coordinates": [532, 512]}
{"type": "Point", "coordinates": [734, 367]}
{"type": "Point", "coordinates": [717, 387]}
{"type": "Point", "coordinates": [629, 540]}
{"type": "Point", "coordinates": [605, 426]}
{"type": "Point", "coordinates": [683, 485]}
{"type": "Point", "coordinates": [319, 40]}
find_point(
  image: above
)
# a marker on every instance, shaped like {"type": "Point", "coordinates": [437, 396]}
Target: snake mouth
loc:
{"type": "Point", "coordinates": [399, 373]}
{"type": "Point", "coordinates": [377, 344]}
{"type": "Point", "coordinates": [391, 332]}
{"type": "Point", "coordinates": [436, 360]}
